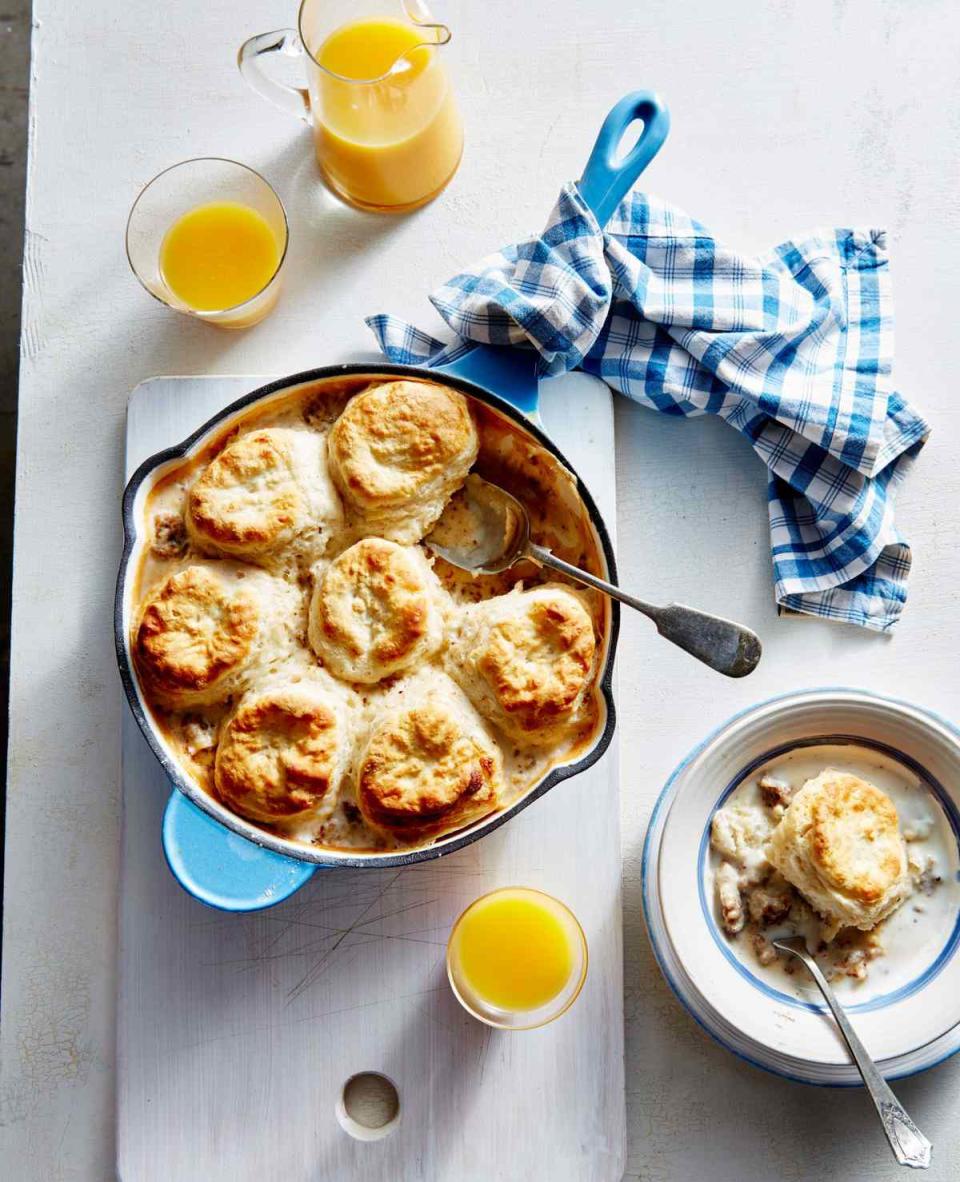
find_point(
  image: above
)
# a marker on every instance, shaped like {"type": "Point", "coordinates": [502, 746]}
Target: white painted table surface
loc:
{"type": "Point", "coordinates": [785, 116]}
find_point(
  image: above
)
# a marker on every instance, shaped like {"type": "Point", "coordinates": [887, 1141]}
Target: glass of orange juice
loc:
{"type": "Point", "coordinates": [386, 125]}
{"type": "Point", "coordinates": [208, 237]}
{"type": "Point", "coordinates": [517, 958]}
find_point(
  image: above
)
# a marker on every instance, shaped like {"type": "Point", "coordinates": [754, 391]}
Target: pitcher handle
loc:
{"type": "Point", "coordinates": [607, 180]}
{"type": "Point", "coordinates": [295, 100]}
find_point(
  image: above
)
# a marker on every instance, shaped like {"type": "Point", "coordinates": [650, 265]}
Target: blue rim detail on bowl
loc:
{"type": "Point", "coordinates": [665, 798]}
{"type": "Point", "coordinates": [883, 999]}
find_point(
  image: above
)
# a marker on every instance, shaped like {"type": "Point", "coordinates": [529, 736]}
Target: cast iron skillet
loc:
{"type": "Point", "coordinates": [219, 857]}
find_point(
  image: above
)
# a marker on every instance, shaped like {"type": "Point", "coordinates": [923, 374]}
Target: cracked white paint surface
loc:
{"type": "Point", "coordinates": [785, 116]}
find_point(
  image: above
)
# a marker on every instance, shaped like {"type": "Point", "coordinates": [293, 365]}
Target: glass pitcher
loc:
{"type": "Point", "coordinates": [386, 125]}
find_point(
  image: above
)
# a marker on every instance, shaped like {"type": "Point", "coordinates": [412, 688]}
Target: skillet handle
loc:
{"type": "Point", "coordinates": [607, 180]}
{"type": "Point", "coordinates": [512, 373]}
{"type": "Point", "coordinates": [509, 373]}
{"type": "Point", "coordinates": [221, 868]}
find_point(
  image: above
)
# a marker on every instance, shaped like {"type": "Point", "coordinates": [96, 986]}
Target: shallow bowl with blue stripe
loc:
{"type": "Point", "coordinates": [908, 1027]}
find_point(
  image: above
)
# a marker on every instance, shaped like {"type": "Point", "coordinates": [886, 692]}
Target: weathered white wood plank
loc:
{"type": "Point", "coordinates": [237, 1033]}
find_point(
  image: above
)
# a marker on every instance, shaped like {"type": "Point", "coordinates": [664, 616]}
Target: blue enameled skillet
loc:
{"type": "Point", "coordinates": [224, 860]}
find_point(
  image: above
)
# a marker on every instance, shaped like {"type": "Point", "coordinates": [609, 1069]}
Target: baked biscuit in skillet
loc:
{"type": "Point", "coordinates": [397, 454]}
{"type": "Point", "coordinates": [839, 844]}
{"type": "Point", "coordinates": [282, 754]}
{"type": "Point", "coordinates": [428, 768]}
{"type": "Point", "coordinates": [268, 490]}
{"type": "Point", "coordinates": [526, 660]}
{"type": "Point", "coordinates": [205, 629]}
{"type": "Point", "coordinates": [375, 611]}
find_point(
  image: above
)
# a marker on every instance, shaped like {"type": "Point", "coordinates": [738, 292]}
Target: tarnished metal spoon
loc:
{"type": "Point", "coordinates": [910, 1147]}
{"type": "Point", "coordinates": [486, 530]}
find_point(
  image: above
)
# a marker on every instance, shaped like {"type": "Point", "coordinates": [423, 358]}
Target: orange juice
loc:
{"type": "Point", "coordinates": [388, 131]}
{"type": "Point", "coordinates": [368, 49]}
{"type": "Point", "coordinates": [219, 255]}
{"type": "Point", "coordinates": [512, 950]}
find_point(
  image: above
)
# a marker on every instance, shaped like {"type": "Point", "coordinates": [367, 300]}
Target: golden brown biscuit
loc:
{"type": "Point", "coordinates": [205, 628]}
{"type": "Point", "coordinates": [398, 452]}
{"type": "Point", "coordinates": [526, 660]}
{"type": "Point", "coordinates": [281, 755]}
{"type": "Point", "coordinates": [267, 491]}
{"type": "Point", "coordinates": [375, 611]}
{"type": "Point", "coordinates": [428, 769]}
{"type": "Point", "coordinates": [839, 844]}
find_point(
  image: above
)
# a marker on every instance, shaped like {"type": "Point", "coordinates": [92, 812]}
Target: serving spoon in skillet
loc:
{"type": "Point", "coordinates": [486, 530]}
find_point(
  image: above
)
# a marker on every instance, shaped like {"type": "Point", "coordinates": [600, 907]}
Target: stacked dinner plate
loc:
{"type": "Point", "coordinates": [908, 1013]}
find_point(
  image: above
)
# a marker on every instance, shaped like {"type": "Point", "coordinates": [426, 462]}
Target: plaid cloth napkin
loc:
{"type": "Point", "coordinates": [794, 350]}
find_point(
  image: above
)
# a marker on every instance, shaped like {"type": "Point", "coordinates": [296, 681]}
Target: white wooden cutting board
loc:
{"type": "Point", "coordinates": [236, 1033]}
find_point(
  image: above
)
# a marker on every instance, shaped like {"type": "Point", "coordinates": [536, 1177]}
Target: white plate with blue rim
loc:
{"type": "Point", "coordinates": [907, 1010]}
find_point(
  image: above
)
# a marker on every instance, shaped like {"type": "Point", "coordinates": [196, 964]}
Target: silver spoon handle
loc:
{"type": "Point", "coordinates": [728, 647]}
{"type": "Point", "coordinates": [546, 558]}
{"type": "Point", "coordinates": [910, 1147]}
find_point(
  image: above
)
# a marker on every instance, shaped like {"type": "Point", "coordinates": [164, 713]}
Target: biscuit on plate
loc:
{"type": "Point", "coordinates": [526, 660]}
{"type": "Point", "coordinates": [428, 768]}
{"type": "Point", "coordinates": [375, 611]}
{"type": "Point", "coordinates": [282, 754]}
{"type": "Point", "coordinates": [839, 845]}
{"type": "Point", "coordinates": [204, 629]}
{"type": "Point", "coordinates": [266, 491]}
{"type": "Point", "coordinates": [398, 452]}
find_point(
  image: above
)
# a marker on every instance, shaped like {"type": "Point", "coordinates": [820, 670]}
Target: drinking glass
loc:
{"type": "Point", "coordinates": [520, 1019]}
{"type": "Point", "coordinates": [181, 188]}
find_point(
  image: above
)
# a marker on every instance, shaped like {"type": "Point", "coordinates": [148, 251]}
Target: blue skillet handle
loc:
{"type": "Point", "coordinates": [512, 373]}
{"type": "Point", "coordinates": [222, 869]}
{"type": "Point", "coordinates": [607, 180]}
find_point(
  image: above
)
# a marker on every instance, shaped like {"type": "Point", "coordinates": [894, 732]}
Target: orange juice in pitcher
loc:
{"type": "Point", "coordinates": [386, 125]}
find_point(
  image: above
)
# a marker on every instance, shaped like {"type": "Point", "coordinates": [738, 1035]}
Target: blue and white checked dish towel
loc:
{"type": "Point", "coordinates": [794, 350]}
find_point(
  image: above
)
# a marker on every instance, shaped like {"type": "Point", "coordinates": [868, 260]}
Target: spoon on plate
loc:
{"type": "Point", "coordinates": [486, 530]}
{"type": "Point", "coordinates": [910, 1147]}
